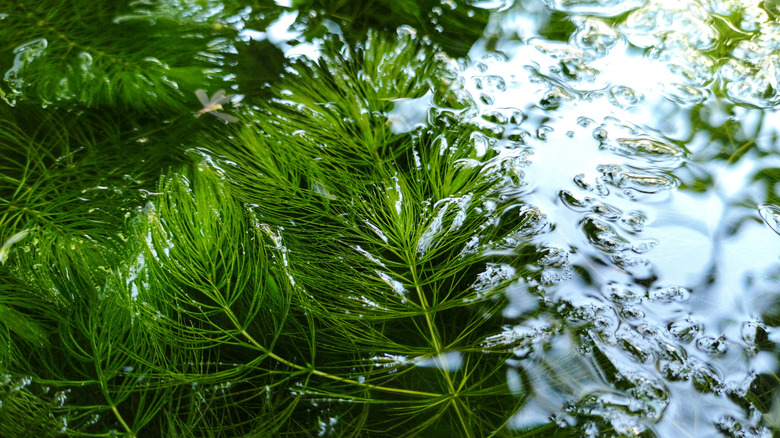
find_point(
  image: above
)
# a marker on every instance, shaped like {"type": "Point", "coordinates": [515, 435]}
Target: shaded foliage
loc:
{"type": "Point", "coordinates": [285, 281]}
{"type": "Point", "coordinates": [455, 26]}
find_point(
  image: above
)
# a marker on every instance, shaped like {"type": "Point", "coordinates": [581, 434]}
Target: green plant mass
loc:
{"type": "Point", "coordinates": [307, 270]}
{"type": "Point", "coordinates": [376, 218]}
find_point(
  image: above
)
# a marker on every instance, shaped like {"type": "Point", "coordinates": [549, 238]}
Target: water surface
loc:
{"type": "Point", "coordinates": [634, 157]}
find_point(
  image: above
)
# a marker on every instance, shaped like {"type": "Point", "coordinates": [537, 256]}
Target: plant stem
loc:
{"type": "Point", "coordinates": [434, 334]}
{"type": "Point", "coordinates": [314, 371]}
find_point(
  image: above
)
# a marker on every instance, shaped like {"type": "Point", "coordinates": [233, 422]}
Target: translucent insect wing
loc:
{"type": "Point", "coordinates": [202, 97]}
{"type": "Point", "coordinates": [223, 116]}
{"type": "Point", "coordinates": [211, 105]}
{"type": "Point", "coordinates": [219, 98]}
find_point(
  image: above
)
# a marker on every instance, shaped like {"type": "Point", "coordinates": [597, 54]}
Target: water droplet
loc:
{"type": "Point", "coordinates": [669, 294]}
{"type": "Point", "coordinates": [634, 220]}
{"type": "Point", "coordinates": [602, 235]}
{"type": "Point", "coordinates": [705, 378]}
{"type": "Point", "coordinates": [712, 345]}
{"type": "Point", "coordinates": [541, 133]}
{"type": "Point", "coordinates": [26, 54]}
{"type": "Point", "coordinates": [594, 35]}
{"type": "Point", "coordinates": [572, 202]}
{"type": "Point", "coordinates": [625, 97]}
{"type": "Point", "coordinates": [771, 216]}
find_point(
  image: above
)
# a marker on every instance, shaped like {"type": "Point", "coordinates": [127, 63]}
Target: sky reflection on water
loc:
{"type": "Point", "coordinates": [667, 247]}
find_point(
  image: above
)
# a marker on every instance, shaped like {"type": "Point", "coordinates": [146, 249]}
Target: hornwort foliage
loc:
{"type": "Point", "coordinates": [310, 269]}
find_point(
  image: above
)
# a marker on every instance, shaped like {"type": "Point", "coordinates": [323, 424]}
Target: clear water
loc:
{"type": "Point", "coordinates": [644, 136]}
{"type": "Point", "coordinates": [650, 141]}
{"type": "Point", "coordinates": [650, 144]}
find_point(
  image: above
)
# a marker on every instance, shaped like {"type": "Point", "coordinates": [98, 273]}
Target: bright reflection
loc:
{"type": "Point", "coordinates": [669, 223]}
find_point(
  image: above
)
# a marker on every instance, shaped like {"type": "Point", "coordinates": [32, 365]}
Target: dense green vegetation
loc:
{"type": "Point", "coordinates": [333, 263]}
{"type": "Point", "coordinates": [303, 270]}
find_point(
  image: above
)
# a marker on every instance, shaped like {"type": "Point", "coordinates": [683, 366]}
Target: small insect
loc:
{"type": "Point", "coordinates": [215, 103]}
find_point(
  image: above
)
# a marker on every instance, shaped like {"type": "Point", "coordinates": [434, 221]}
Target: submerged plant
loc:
{"type": "Point", "coordinates": [317, 270]}
{"type": "Point", "coordinates": [353, 254]}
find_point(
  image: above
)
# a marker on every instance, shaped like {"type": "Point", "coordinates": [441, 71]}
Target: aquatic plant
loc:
{"type": "Point", "coordinates": [310, 270]}
{"type": "Point", "coordinates": [372, 244]}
